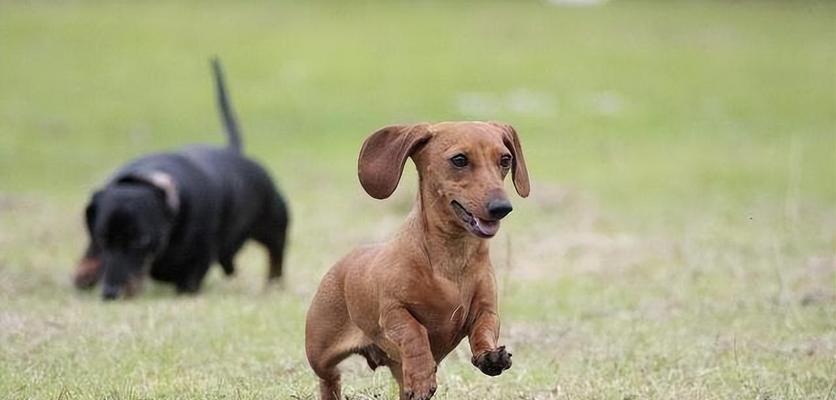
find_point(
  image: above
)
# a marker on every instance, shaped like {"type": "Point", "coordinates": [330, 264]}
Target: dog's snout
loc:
{"type": "Point", "coordinates": [110, 292]}
{"type": "Point", "coordinates": [499, 208]}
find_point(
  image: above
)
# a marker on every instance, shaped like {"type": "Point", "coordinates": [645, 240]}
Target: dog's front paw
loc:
{"type": "Point", "coordinates": [87, 273]}
{"type": "Point", "coordinates": [419, 386]}
{"type": "Point", "coordinates": [493, 362]}
{"type": "Point", "coordinates": [422, 392]}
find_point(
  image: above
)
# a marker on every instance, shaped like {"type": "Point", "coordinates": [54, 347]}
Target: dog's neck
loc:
{"type": "Point", "coordinates": [449, 249]}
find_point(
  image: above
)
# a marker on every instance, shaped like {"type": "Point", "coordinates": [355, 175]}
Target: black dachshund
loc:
{"type": "Point", "coordinates": [171, 215]}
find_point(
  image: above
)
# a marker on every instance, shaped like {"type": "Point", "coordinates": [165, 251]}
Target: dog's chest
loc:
{"type": "Point", "coordinates": [444, 313]}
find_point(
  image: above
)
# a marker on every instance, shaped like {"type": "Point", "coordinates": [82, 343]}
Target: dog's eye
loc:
{"type": "Point", "coordinates": [459, 160]}
{"type": "Point", "coordinates": [505, 161]}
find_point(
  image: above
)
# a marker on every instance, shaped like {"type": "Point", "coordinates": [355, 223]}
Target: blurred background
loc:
{"type": "Point", "coordinates": [679, 242]}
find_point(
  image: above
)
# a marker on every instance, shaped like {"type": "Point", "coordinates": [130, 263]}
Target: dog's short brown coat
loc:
{"type": "Point", "coordinates": [408, 302]}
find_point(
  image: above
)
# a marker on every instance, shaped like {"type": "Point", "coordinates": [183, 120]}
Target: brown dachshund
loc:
{"type": "Point", "coordinates": [408, 302]}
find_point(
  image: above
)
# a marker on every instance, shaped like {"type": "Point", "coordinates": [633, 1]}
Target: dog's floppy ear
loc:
{"type": "Point", "coordinates": [90, 212]}
{"type": "Point", "coordinates": [384, 154]}
{"type": "Point", "coordinates": [519, 173]}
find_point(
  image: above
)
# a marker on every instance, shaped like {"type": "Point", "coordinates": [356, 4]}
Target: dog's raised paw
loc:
{"type": "Point", "coordinates": [493, 362]}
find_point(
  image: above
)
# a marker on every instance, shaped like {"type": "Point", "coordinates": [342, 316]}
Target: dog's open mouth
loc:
{"type": "Point", "coordinates": [480, 227]}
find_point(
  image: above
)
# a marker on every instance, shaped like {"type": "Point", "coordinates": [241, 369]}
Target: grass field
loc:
{"type": "Point", "coordinates": [679, 243]}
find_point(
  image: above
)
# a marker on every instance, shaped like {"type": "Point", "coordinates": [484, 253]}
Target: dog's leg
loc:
{"type": "Point", "coordinates": [397, 374]}
{"type": "Point", "coordinates": [484, 333]}
{"type": "Point", "coordinates": [329, 335]}
{"type": "Point", "coordinates": [88, 271]}
{"type": "Point", "coordinates": [408, 339]}
{"type": "Point", "coordinates": [228, 266]}
{"type": "Point", "coordinates": [227, 254]}
{"type": "Point", "coordinates": [329, 385]}
{"type": "Point", "coordinates": [276, 251]}
{"type": "Point", "coordinates": [187, 286]}
{"type": "Point", "coordinates": [325, 348]}
{"type": "Point", "coordinates": [272, 235]}
{"type": "Point", "coordinates": [190, 283]}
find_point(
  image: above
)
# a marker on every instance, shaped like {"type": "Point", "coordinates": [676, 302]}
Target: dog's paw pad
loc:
{"type": "Point", "coordinates": [493, 362]}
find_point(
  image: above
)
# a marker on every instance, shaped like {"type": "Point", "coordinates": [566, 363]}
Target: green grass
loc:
{"type": "Point", "coordinates": [679, 242]}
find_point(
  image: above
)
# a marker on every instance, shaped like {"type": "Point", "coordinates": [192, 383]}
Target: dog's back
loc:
{"type": "Point", "coordinates": [247, 196]}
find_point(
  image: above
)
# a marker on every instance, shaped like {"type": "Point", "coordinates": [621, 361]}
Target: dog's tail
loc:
{"type": "Point", "coordinates": [227, 115]}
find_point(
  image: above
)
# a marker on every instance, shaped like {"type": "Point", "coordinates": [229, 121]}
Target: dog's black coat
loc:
{"type": "Point", "coordinates": [173, 214]}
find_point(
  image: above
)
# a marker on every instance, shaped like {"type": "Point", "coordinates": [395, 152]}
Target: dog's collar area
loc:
{"type": "Point", "coordinates": [160, 180]}
{"type": "Point", "coordinates": [482, 228]}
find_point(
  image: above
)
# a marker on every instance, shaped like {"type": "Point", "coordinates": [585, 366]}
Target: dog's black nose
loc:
{"type": "Point", "coordinates": [499, 208]}
{"type": "Point", "coordinates": [110, 293]}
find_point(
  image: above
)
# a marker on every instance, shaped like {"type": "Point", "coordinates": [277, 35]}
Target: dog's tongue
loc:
{"type": "Point", "coordinates": [487, 228]}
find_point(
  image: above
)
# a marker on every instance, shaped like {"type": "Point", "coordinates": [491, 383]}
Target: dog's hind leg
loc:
{"type": "Point", "coordinates": [330, 336]}
{"type": "Point", "coordinates": [228, 266]}
{"type": "Point", "coordinates": [276, 253]}
{"type": "Point", "coordinates": [272, 233]}
{"type": "Point", "coordinates": [329, 385]}
{"type": "Point", "coordinates": [324, 362]}
{"type": "Point", "coordinates": [324, 358]}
